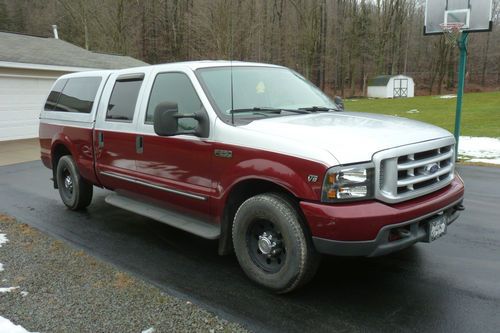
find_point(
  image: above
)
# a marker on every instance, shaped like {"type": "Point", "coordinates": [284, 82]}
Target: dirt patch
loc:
{"type": "Point", "coordinates": [122, 281]}
{"type": "Point", "coordinates": [6, 218]}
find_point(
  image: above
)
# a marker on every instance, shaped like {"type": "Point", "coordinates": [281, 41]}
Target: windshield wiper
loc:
{"type": "Point", "coordinates": [266, 110]}
{"type": "Point", "coordinates": [318, 109]}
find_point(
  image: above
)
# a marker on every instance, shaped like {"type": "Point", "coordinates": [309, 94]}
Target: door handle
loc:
{"type": "Point", "coordinates": [139, 144]}
{"type": "Point", "coordinates": [100, 139]}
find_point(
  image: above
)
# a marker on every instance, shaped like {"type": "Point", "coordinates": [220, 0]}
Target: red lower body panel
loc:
{"type": "Point", "coordinates": [362, 221]}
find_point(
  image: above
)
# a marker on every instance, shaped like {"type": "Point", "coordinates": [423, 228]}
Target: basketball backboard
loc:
{"type": "Point", "coordinates": [475, 15]}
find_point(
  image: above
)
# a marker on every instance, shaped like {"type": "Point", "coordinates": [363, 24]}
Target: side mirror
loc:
{"type": "Point", "coordinates": [340, 102]}
{"type": "Point", "coordinates": [166, 121]}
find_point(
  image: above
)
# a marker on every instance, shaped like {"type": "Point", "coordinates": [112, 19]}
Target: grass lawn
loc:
{"type": "Point", "coordinates": [480, 113]}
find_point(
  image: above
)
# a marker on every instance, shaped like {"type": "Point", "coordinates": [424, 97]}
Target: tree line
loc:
{"type": "Point", "coordinates": [338, 44]}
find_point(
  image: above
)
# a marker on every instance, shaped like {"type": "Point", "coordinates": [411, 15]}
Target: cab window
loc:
{"type": "Point", "coordinates": [176, 88]}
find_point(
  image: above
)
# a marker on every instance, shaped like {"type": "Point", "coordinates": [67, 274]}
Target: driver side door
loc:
{"type": "Point", "coordinates": [177, 167]}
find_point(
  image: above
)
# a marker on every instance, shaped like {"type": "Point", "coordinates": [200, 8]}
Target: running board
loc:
{"type": "Point", "coordinates": [173, 219]}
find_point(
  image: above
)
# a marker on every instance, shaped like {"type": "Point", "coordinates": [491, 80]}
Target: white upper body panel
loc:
{"type": "Point", "coordinates": [330, 138]}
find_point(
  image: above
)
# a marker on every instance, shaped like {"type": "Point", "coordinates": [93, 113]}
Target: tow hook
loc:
{"type": "Point", "coordinates": [403, 233]}
{"type": "Point", "coordinates": [460, 207]}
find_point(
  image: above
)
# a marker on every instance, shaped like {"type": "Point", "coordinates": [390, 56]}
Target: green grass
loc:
{"type": "Point", "coordinates": [480, 113]}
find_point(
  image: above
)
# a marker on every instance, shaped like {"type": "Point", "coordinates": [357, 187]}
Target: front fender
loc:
{"type": "Point", "coordinates": [302, 178]}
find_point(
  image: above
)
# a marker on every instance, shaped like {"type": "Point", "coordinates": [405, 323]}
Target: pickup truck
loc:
{"type": "Point", "coordinates": [253, 156]}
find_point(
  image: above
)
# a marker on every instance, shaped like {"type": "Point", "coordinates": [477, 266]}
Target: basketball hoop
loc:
{"type": "Point", "coordinates": [452, 32]}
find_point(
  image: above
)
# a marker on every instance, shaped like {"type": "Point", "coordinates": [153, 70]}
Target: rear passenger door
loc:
{"type": "Point", "coordinates": [177, 169]}
{"type": "Point", "coordinates": [114, 135]}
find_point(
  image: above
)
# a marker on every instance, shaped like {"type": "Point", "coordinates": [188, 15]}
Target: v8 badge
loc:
{"type": "Point", "coordinates": [312, 178]}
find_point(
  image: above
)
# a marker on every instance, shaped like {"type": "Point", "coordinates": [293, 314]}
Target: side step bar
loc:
{"type": "Point", "coordinates": [173, 219]}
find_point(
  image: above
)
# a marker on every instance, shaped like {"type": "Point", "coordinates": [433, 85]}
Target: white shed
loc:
{"type": "Point", "coordinates": [29, 65]}
{"type": "Point", "coordinates": [391, 86]}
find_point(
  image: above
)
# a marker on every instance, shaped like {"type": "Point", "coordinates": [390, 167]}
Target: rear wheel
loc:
{"type": "Point", "coordinates": [272, 245]}
{"type": "Point", "coordinates": [76, 192]}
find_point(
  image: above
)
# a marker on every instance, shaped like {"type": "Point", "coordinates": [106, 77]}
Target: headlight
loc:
{"type": "Point", "coordinates": [354, 182]}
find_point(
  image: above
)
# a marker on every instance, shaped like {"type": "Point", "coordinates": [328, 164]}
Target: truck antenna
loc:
{"type": "Point", "coordinates": [231, 31]}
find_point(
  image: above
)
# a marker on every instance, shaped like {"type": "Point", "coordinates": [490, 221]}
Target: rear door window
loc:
{"type": "Point", "coordinates": [78, 95]}
{"type": "Point", "coordinates": [123, 99]}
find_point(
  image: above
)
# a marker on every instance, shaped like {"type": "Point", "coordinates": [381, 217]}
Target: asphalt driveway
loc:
{"type": "Point", "coordinates": [450, 285]}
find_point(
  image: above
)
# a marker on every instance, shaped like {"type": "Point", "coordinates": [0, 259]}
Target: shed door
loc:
{"type": "Point", "coordinates": [400, 88]}
{"type": "Point", "coordinates": [21, 100]}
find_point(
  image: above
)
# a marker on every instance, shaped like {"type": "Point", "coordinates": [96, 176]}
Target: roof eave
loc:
{"type": "Point", "coordinates": [23, 65]}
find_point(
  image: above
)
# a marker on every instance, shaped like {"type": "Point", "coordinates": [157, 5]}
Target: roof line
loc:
{"type": "Point", "coordinates": [24, 34]}
{"type": "Point", "coordinates": [23, 65]}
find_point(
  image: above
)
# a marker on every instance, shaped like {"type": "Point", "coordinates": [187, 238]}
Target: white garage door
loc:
{"type": "Point", "coordinates": [21, 100]}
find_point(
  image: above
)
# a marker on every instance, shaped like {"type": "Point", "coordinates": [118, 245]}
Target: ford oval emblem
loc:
{"type": "Point", "coordinates": [431, 168]}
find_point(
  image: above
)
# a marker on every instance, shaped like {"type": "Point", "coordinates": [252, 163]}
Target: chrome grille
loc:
{"type": "Point", "coordinates": [411, 171]}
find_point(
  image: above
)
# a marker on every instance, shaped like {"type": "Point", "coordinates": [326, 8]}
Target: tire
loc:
{"type": "Point", "coordinates": [76, 192]}
{"type": "Point", "coordinates": [288, 263]}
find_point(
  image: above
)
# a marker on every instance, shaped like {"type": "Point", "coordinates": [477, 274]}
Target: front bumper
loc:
{"type": "Point", "coordinates": [364, 228]}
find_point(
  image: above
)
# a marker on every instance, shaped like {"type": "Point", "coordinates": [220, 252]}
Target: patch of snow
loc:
{"type": "Point", "coordinates": [479, 149]}
{"type": "Point", "coordinates": [447, 96]}
{"type": "Point", "coordinates": [8, 327]}
{"type": "Point", "coordinates": [1, 267]}
{"type": "Point", "coordinates": [413, 111]}
{"type": "Point", "coordinates": [3, 239]}
{"type": "Point", "coordinates": [24, 293]}
{"type": "Point", "coordinates": [7, 290]}
{"type": "Point", "coordinates": [149, 330]}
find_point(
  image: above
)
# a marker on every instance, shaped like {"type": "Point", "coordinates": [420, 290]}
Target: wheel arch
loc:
{"type": "Point", "coordinates": [59, 149]}
{"type": "Point", "coordinates": [242, 191]}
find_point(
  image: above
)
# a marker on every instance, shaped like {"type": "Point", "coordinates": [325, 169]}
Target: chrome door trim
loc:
{"type": "Point", "coordinates": [152, 185]}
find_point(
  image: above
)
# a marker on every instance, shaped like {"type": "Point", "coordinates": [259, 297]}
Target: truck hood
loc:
{"type": "Point", "coordinates": [350, 137]}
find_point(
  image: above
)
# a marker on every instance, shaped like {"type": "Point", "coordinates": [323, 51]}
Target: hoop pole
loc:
{"type": "Point", "coordinates": [462, 45]}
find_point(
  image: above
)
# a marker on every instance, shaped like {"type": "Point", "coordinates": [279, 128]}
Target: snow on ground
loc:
{"type": "Point", "coordinates": [3, 239]}
{"type": "Point", "coordinates": [476, 149]}
{"type": "Point", "coordinates": [413, 111]}
{"type": "Point", "coordinates": [7, 290]}
{"type": "Point", "coordinates": [447, 96]}
{"type": "Point", "coordinates": [6, 326]}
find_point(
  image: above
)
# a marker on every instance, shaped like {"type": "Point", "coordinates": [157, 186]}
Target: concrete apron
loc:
{"type": "Point", "coordinates": [18, 151]}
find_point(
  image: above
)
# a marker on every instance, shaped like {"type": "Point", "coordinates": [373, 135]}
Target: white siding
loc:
{"type": "Point", "coordinates": [377, 91]}
{"type": "Point", "coordinates": [21, 100]}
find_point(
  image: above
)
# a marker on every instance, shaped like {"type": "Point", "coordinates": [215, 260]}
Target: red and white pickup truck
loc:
{"type": "Point", "coordinates": [255, 156]}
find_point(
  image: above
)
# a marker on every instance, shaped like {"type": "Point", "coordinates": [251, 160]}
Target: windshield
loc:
{"type": "Point", "coordinates": [256, 89]}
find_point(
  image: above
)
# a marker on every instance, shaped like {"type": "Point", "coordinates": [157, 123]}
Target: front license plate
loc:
{"type": "Point", "coordinates": [437, 228]}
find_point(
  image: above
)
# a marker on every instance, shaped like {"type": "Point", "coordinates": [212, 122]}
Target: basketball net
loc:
{"type": "Point", "coordinates": [452, 32]}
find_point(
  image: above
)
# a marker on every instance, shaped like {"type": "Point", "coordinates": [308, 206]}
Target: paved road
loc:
{"type": "Point", "coordinates": [451, 285]}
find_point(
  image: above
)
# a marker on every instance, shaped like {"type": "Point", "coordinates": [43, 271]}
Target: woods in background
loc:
{"type": "Point", "coordinates": [338, 44]}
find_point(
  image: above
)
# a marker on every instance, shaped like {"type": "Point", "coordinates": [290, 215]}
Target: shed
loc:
{"type": "Point", "coordinates": [391, 86]}
{"type": "Point", "coordinates": [29, 65]}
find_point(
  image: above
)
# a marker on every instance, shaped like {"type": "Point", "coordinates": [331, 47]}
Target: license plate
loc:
{"type": "Point", "coordinates": [437, 227]}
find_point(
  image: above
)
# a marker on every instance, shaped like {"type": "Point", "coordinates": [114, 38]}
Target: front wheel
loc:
{"type": "Point", "coordinates": [272, 245]}
{"type": "Point", "coordinates": [76, 192]}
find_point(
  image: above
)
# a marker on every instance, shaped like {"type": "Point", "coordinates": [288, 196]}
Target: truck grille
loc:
{"type": "Point", "coordinates": [412, 171]}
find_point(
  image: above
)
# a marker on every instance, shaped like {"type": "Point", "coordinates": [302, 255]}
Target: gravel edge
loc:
{"type": "Point", "coordinates": [66, 290]}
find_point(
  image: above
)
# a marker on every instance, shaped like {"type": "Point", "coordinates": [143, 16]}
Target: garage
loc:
{"type": "Point", "coordinates": [29, 65]}
{"type": "Point", "coordinates": [21, 98]}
